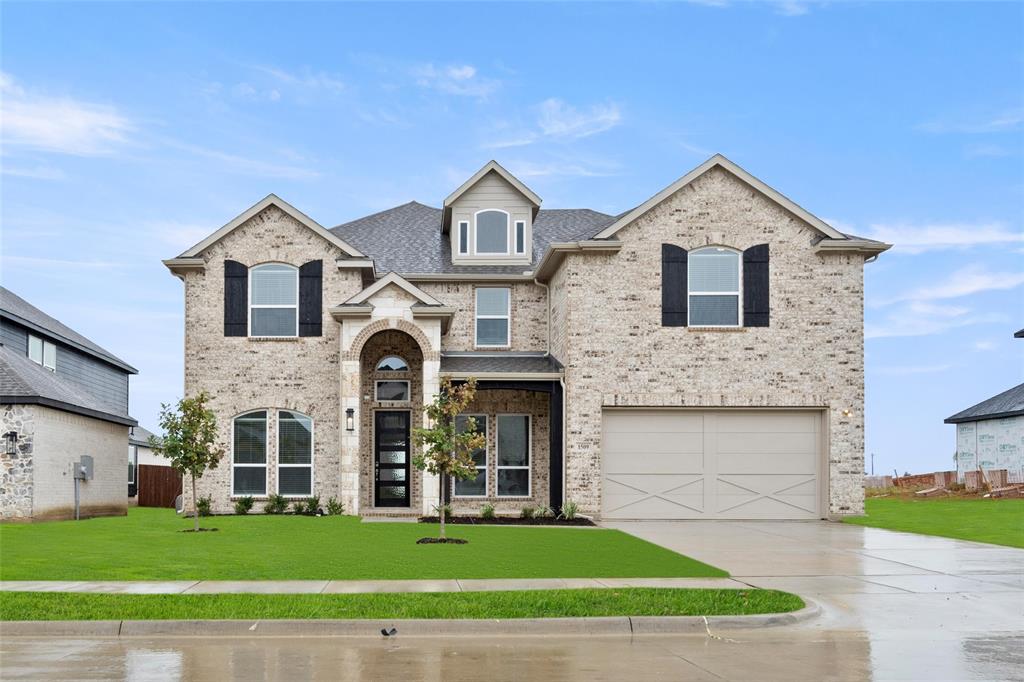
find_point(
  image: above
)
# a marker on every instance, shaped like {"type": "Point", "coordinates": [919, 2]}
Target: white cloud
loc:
{"type": "Point", "coordinates": [1003, 121]}
{"type": "Point", "coordinates": [978, 151]}
{"type": "Point", "coordinates": [458, 79]}
{"type": "Point", "coordinates": [60, 263]}
{"type": "Point", "coordinates": [913, 320]}
{"type": "Point", "coordinates": [180, 235]}
{"type": "Point", "coordinates": [526, 169]}
{"type": "Point", "coordinates": [249, 166]}
{"type": "Point", "coordinates": [972, 279]}
{"type": "Point", "coordinates": [914, 239]}
{"type": "Point", "coordinates": [558, 119]}
{"type": "Point", "coordinates": [984, 345]}
{"type": "Point", "coordinates": [61, 125]}
{"type": "Point", "coordinates": [792, 8]}
{"type": "Point", "coordinates": [309, 80]}
{"type": "Point", "coordinates": [36, 173]}
{"type": "Point", "coordinates": [911, 369]}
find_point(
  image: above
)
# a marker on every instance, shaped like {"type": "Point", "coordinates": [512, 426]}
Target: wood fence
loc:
{"type": "Point", "coordinates": [158, 486]}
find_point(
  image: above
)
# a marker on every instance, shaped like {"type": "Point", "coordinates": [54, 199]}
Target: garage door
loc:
{"type": "Point", "coordinates": [721, 464]}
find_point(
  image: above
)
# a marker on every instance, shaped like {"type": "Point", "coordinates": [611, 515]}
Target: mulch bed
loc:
{"type": "Point", "coordinates": [441, 541]}
{"type": "Point", "coordinates": [508, 521]}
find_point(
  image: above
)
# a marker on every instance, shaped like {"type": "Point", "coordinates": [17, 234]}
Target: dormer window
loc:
{"type": "Point", "coordinates": [464, 237]}
{"type": "Point", "coordinates": [492, 232]}
{"type": "Point", "coordinates": [42, 352]}
{"type": "Point", "coordinates": [520, 237]}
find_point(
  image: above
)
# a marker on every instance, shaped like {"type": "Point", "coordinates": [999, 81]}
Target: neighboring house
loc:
{"type": "Point", "coordinates": [990, 435]}
{"type": "Point", "coordinates": [61, 397]}
{"type": "Point", "coordinates": [140, 453]}
{"type": "Point", "coordinates": [698, 356]}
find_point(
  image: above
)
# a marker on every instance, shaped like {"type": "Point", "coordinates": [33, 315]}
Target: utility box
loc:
{"type": "Point", "coordinates": [83, 468]}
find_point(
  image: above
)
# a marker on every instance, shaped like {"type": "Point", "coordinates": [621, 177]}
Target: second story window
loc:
{"type": "Point", "coordinates": [714, 287]}
{"type": "Point", "coordinates": [274, 300]}
{"type": "Point", "coordinates": [42, 353]}
{"type": "Point", "coordinates": [492, 232]}
{"type": "Point", "coordinates": [493, 315]}
{"type": "Point", "coordinates": [520, 237]}
{"type": "Point", "coordinates": [463, 237]}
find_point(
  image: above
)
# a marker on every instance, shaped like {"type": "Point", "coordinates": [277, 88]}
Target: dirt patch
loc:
{"type": "Point", "coordinates": [198, 530]}
{"type": "Point", "coordinates": [441, 541]}
{"type": "Point", "coordinates": [508, 521]}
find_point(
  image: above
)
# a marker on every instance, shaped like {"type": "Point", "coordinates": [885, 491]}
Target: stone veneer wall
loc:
{"type": "Point", "coordinates": [492, 402]}
{"type": "Point", "coordinates": [381, 344]}
{"type": "Point", "coordinates": [529, 313]}
{"type": "Point", "coordinates": [617, 352]}
{"type": "Point", "coordinates": [243, 374]}
{"type": "Point", "coordinates": [16, 469]}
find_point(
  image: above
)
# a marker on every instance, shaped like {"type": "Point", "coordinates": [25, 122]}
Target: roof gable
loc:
{"type": "Point", "coordinates": [397, 280]}
{"type": "Point", "coordinates": [1007, 404]}
{"type": "Point", "coordinates": [255, 209]}
{"type": "Point", "coordinates": [719, 161]}
{"type": "Point", "coordinates": [489, 167]}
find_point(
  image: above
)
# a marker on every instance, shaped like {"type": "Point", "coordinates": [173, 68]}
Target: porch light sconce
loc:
{"type": "Point", "coordinates": [11, 442]}
{"type": "Point", "coordinates": [350, 419]}
{"type": "Point", "coordinates": [846, 413]}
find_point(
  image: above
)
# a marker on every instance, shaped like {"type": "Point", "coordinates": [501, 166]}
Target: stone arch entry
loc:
{"type": "Point", "coordinates": [389, 340]}
{"type": "Point", "coordinates": [356, 350]}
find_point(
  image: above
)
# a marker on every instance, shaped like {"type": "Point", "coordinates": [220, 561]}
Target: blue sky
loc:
{"type": "Point", "coordinates": [132, 131]}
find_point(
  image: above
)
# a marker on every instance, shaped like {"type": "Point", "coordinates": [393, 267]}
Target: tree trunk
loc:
{"type": "Point", "coordinates": [440, 504]}
{"type": "Point", "coordinates": [195, 507]}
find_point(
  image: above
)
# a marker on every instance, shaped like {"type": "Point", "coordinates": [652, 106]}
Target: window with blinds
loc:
{"type": "Point", "coordinates": [294, 454]}
{"type": "Point", "coordinates": [249, 454]}
{"type": "Point", "coordinates": [713, 287]}
{"type": "Point", "coordinates": [274, 300]}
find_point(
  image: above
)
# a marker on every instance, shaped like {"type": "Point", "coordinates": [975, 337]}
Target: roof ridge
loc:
{"type": "Point", "coordinates": [382, 212]}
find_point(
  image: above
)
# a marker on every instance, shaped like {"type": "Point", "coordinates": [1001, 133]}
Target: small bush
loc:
{"type": "Point", "coordinates": [447, 509]}
{"type": "Point", "coordinates": [203, 504]}
{"type": "Point", "coordinates": [487, 512]}
{"type": "Point", "coordinates": [569, 510]}
{"type": "Point", "coordinates": [276, 504]}
{"type": "Point", "coordinates": [543, 512]}
{"type": "Point", "coordinates": [243, 504]}
{"type": "Point", "coordinates": [526, 513]}
{"type": "Point", "coordinates": [335, 507]}
{"type": "Point", "coordinates": [299, 507]}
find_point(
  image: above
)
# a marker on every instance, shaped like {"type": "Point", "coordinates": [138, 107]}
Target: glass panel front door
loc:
{"type": "Point", "coordinates": [391, 459]}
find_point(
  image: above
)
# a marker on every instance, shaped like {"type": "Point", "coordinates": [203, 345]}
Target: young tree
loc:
{"type": "Point", "coordinates": [446, 451]}
{"type": "Point", "coordinates": [189, 442]}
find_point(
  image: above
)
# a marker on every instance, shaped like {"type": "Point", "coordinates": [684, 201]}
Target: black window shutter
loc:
{"type": "Point", "coordinates": [311, 298]}
{"type": "Point", "coordinates": [755, 286]}
{"type": "Point", "coordinates": [236, 299]}
{"type": "Point", "coordinates": [673, 286]}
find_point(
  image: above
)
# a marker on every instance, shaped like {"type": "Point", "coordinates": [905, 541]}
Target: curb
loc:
{"type": "Point", "coordinates": [615, 625]}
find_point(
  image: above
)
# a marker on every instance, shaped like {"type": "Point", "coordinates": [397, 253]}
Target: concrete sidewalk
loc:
{"type": "Point", "coordinates": [354, 586]}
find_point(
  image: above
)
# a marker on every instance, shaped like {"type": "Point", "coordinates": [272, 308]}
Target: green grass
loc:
{"type": "Point", "coordinates": [1000, 522]}
{"type": "Point", "coordinates": [146, 545]}
{"type": "Point", "coordinates": [530, 604]}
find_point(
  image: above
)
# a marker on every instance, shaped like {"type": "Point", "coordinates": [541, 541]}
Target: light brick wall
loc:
{"type": "Point", "coordinates": [243, 374]}
{"type": "Point", "coordinates": [617, 352]}
{"type": "Point", "coordinates": [60, 439]}
{"type": "Point", "coordinates": [529, 313]}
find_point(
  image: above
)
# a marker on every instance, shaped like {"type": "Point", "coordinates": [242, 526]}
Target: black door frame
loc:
{"type": "Point", "coordinates": [378, 465]}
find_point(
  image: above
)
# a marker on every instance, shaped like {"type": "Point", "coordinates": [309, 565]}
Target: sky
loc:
{"type": "Point", "coordinates": [132, 131]}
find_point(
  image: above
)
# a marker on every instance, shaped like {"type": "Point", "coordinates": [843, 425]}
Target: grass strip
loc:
{"type": "Point", "coordinates": [524, 604]}
{"type": "Point", "coordinates": [996, 521]}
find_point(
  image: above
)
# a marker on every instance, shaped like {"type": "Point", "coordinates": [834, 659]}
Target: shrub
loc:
{"type": "Point", "coordinates": [526, 513]}
{"type": "Point", "coordinates": [243, 504]}
{"type": "Point", "coordinates": [313, 505]}
{"type": "Point", "coordinates": [569, 510]}
{"type": "Point", "coordinates": [543, 512]}
{"type": "Point", "coordinates": [203, 504]}
{"type": "Point", "coordinates": [299, 507]}
{"type": "Point", "coordinates": [335, 507]}
{"type": "Point", "coordinates": [487, 512]}
{"type": "Point", "coordinates": [276, 504]}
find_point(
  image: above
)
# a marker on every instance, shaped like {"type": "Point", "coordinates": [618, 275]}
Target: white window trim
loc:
{"type": "Point", "coordinates": [508, 236]}
{"type": "Point", "coordinates": [515, 237]}
{"type": "Point", "coordinates": [376, 388]}
{"type": "Point", "coordinates": [459, 244]}
{"type": "Point", "coordinates": [266, 454]}
{"type": "Point", "coordinates": [477, 316]}
{"type": "Point", "coordinates": [133, 459]}
{"type": "Point", "coordinates": [529, 455]}
{"type": "Point", "coordinates": [486, 467]}
{"type": "Point", "coordinates": [738, 293]}
{"type": "Point", "coordinates": [43, 345]}
{"type": "Point", "coordinates": [312, 450]}
{"type": "Point", "coordinates": [265, 306]}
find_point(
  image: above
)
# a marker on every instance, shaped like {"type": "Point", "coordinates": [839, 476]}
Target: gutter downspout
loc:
{"type": "Point", "coordinates": [561, 379]}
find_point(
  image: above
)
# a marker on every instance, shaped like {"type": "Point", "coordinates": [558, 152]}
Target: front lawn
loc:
{"type": "Point", "coordinates": [146, 545]}
{"type": "Point", "coordinates": [1000, 522]}
{"type": "Point", "coordinates": [532, 604]}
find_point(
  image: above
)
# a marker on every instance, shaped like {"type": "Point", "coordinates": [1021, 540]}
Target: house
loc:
{"type": "Point", "coordinates": [146, 466]}
{"type": "Point", "coordinates": [990, 435]}
{"type": "Point", "coordinates": [697, 356]}
{"type": "Point", "coordinates": [61, 397]}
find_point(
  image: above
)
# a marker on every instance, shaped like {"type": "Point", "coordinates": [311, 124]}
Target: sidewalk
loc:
{"type": "Point", "coordinates": [354, 586]}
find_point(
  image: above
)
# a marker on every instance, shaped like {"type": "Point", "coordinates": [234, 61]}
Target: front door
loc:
{"type": "Point", "coordinates": [391, 459]}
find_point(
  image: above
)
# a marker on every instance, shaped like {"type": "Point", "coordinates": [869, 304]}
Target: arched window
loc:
{"type": "Point", "coordinates": [492, 232]}
{"type": "Point", "coordinates": [713, 287]}
{"type": "Point", "coordinates": [274, 300]}
{"type": "Point", "coordinates": [392, 363]}
{"type": "Point", "coordinates": [294, 454]}
{"type": "Point", "coordinates": [249, 454]}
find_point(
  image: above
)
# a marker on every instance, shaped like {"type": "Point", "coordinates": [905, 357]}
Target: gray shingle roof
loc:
{"type": "Point", "coordinates": [20, 310]}
{"type": "Point", "coordinates": [480, 362]}
{"type": "Point", "coordinates": [24, 382]}
{"type": "Point", "coordinates": [407, 239]}
{"type": "Point", "coordinates": [1006, 404]}
{"type": "Point", "coordinates": [140, 436]}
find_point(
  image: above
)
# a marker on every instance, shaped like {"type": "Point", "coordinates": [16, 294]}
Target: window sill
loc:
{"type": "Point", "coordinates": [724, 330]}
{"type": "Point", "coordinates": [274, 339]}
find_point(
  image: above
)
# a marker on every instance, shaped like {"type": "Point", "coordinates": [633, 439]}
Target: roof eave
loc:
{"type": "Point", "coordinates": [983, 417]}
{"type": "Point", "coordinates": [868, 248]}
{"type": "Point", "coordinates": [345, 312]}
{"type": "Point", "coordinates": [507, 376]}
{"type": "Point", "coordinates": [67, 407]}
{"type": "Point", "coordinates": [179, 267]}
{"type": "Point", "coordinates": [557, 251]}
{"type": "Point", "coordinates": [109, 359]}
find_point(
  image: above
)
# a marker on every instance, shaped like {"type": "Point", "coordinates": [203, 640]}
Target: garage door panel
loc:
{"type": "Point", "coordinates": [691, 464]}
{"type": "Point", "coordinates": [627, 443]}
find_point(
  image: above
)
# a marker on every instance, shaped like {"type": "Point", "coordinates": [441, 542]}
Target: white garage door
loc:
{"type": "Point", "coordinates": [715, 464]}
